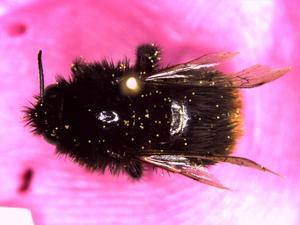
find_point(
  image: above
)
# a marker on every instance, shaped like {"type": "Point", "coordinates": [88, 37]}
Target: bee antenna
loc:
{"type": "Point", "coordinates": [41, 75]}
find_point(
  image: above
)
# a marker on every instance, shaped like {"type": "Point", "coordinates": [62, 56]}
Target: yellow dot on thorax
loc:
{"type": "Point", "coordinates": [131, 83]}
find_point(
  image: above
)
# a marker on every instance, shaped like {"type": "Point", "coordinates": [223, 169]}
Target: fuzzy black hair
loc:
{"type": "Point", "coordinates": [89, 119]}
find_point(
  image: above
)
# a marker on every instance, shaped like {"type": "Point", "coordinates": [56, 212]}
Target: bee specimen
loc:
{"type": "Point", "coordinates": [182, 118]}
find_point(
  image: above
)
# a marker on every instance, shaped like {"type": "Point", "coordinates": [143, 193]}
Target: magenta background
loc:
{"type": "Point", "coordinates": [63, 193]}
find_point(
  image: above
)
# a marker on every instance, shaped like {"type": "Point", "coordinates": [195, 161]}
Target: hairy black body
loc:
{"type": "Point", "coordinates": [91, 119]}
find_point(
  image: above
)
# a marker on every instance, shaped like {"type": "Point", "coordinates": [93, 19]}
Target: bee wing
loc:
{"type": "Point", "coordinates": [184, 166]}
{"type": "Point", "coordinates": [254, 76]}
{"type": "Point", "coordinates": [202, 72]}
{"type": "Point", "coordinates": [206, 61]}
{"type": "Point", "coordinates": [240, 161]}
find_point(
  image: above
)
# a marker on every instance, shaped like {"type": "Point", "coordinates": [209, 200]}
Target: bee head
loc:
{"type": "Point", "coordinates": [86, 109]}
{"type": "Point", "coordinates": [45, 116]}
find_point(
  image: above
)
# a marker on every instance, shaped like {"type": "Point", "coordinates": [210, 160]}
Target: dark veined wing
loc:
{"type": "Point", "coordinates": [202, 72]}
{"type": "Point", "coordinates": [184, 166]}
{"type": "Point", "coordinates": [181, 162]}
{"type": "Point", "coordinates": [254, 76]}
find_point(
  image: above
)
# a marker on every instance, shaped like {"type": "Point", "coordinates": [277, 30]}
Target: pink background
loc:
{"type": "Point", "coordinates": [264, 31]}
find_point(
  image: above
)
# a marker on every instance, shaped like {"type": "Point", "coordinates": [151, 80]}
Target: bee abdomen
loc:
{"type": "Point", "coordinates": [214, 120]}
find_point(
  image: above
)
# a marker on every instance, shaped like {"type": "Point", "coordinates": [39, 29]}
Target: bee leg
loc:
{"type": "Point", "coordinates": [134, 170]}
{"type": "Point", "coordinates": [147, 58]}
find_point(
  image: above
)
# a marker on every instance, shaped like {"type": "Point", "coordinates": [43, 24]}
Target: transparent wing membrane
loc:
{"type": "Point", "coordinates": [182, 165]}
{"type": "Point", "coordinates": [206, 61]}
{"type": "Point", "coordinates": [186, 164]}
{"type": "Point", "coordinates": [240, 161]}
{"type": "Point", "coordinates": [202, 72]}
{"type": "Point", "coordinates": [256, 75]}
{"type": "Point", "coordinates": [236, 160]}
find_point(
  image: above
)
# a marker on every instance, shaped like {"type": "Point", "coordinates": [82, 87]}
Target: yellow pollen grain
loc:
{"type": "Point", "coordinates": [126, 122]}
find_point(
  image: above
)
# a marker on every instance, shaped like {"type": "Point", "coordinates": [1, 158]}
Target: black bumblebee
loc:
{"type": "Point", "coordinates": [181, 118]}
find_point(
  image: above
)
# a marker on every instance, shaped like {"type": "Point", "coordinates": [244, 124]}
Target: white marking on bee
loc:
{"type": "Point", "coordinates": [108, 116]}
{"type": "Point", "coordinates": [179, 118]}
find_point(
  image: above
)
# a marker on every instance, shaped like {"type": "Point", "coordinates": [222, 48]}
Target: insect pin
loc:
{"type": "Point", "coordinates": [181, 118]}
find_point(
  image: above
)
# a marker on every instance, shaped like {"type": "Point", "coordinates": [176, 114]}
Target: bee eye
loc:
{"type": "Point", "coordinates": [52, 95]}
{"type": "Point", "coordinates": [51, 92]}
